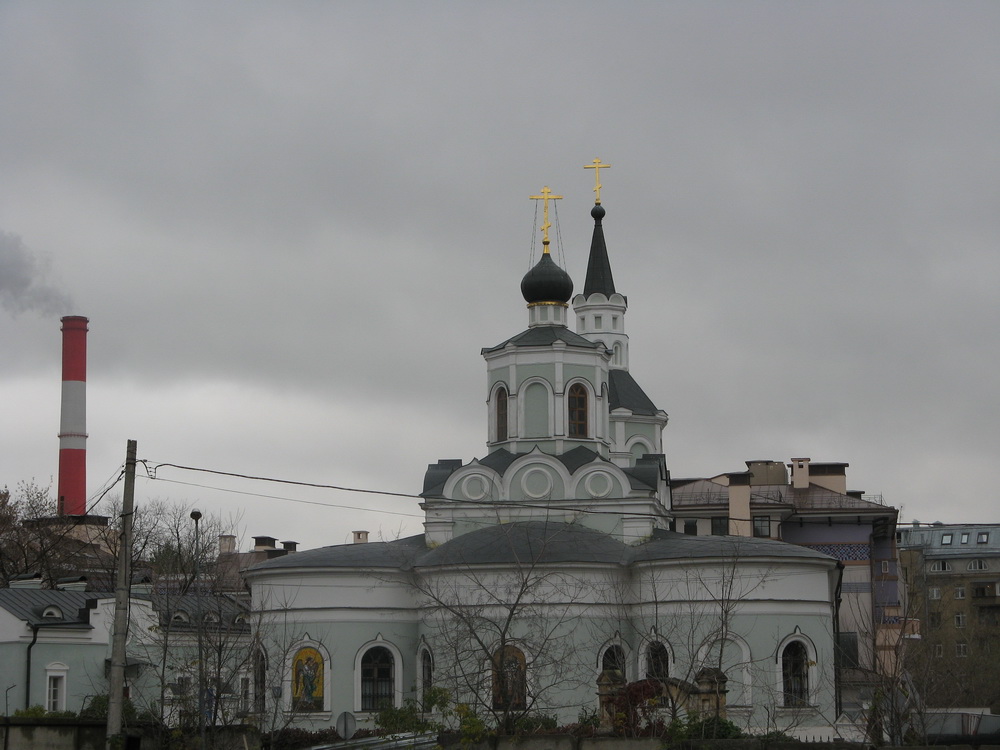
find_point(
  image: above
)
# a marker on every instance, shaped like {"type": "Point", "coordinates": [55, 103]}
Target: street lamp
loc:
{"type": "Point", "coordinates": [196, 517]}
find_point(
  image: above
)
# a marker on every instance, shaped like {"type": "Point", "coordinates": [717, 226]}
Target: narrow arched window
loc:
{"type": "Point", "coordinates": [795, 674]}
{"type": "Point", "coordinates": [614, 660]}
{"type": "Point", "coordinates": [657, 662]}
{"type": "Point", "coordinates": [377, 678]}
{"type": "Point", "coordinates": [426, 678]}
{"type": "Point", "coordinates": [510, 688]}
{"type": "Point", "coordinates": [501, 414]}
{"type": "Point", "coordinates": [578, 411]}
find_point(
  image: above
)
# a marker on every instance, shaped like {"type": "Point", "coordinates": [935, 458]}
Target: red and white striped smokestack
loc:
{"type": "Point", "coordinates": [73, 419]}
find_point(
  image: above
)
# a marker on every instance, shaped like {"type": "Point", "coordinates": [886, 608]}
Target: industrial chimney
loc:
{"type": "Point", "coordinates": [73, 419]}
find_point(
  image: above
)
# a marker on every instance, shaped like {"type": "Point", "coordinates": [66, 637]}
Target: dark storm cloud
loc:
{"type": "Point", "coordinates": [24, 281]}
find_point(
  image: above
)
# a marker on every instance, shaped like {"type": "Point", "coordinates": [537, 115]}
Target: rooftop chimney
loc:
{"type": "Point", "coordinates": [800, 473]}
{"type": "Point", "coordinates": [72, 492]}
{"type": "Point", "coordinates": [739, 503]}
{"type": "Point", "coordinates": [261, 543]}
{"type": "Point", "coordinates": [360, 537]}
{"type": "Point", "coordinates": [290, 547]}
{"type": "Point", "coordinates": [227, 544]}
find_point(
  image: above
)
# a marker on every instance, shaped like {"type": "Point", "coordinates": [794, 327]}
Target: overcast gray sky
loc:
{"type": "Point", "coordinates": [294, 225]}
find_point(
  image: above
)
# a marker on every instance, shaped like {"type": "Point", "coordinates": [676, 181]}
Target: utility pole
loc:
{"type": "Point", "coordinates": [202, 687]}
{"type": "Point", "coordinates": [116, 680]}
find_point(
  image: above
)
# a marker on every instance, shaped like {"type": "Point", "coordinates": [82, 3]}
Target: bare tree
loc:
{"type": "Point", "coordinates": [506, 634]}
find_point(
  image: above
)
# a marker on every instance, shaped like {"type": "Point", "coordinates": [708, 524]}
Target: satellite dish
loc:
{"type": "Point", "coordinates": [346, 725]}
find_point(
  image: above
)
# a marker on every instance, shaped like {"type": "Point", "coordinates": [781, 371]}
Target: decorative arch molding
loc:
{"type": "Point", "coordinates": [599, 480]}
{"type": "Point", "coordinates": [474, 482]}
{"type": "Point", "coordinates": [743, 677]}
{"type": "Point", "coordinates": [789, 686]}
{"type": "Point", "coordinates": [641, 442]}
{"type": "Point", "coordinates": [613, 642]}
{"type": "Point", "coordinates": [297, 674]}
{"type": "Point", "coordinates": [397, 672]}
{"type": "Point", "coordinates": [518, 472]}
{"type": "Point", "coordinates": [643, 664]}
{"type": "Point", "coordinates": [531, 402]}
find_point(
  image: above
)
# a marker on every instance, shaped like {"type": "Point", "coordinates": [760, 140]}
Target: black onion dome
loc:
{"type": "Point", "coordinates": [546, 282]}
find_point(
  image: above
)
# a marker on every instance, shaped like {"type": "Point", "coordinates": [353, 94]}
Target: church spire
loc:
{"type": "Point", "coordinates": [600, 310]}
{"type": "Point", "coordinates": [599, 278]}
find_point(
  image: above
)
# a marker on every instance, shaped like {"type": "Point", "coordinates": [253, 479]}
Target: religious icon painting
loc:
{"type": "Point", "coordinates": [307, 680]}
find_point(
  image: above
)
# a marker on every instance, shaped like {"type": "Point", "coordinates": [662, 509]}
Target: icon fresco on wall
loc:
{"type": "Point", "coordinates": [307, 680]}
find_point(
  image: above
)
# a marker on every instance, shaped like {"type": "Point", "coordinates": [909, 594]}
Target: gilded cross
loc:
{"type": "Point", "coordinates": [597, 166]}
{"type": "Point", "coordinates": [545, 197]}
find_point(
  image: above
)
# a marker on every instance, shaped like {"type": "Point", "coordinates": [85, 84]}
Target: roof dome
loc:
{"type": "Point", "coordinates": [546, 282]}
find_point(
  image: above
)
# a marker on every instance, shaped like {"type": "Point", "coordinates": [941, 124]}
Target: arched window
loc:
{"type": "Point", "coordinates": [426, 677]}
{"type": "Point", "coordinates": [307, 680]}
{"type": "Point", "coordinates": [377, 678]}
{"type": "Point", "coordinates": [510, 688]}
{"type": "Point", "coordinates": [577, 411]}
{"type": "Point", "coordinates": [657, 662]}
{"type": "Point", "coordinates": [795, 674]}
{"type": "Point", "coordinates": [501, 414]}
{"type": "Point", "coordinates": [614, 659]}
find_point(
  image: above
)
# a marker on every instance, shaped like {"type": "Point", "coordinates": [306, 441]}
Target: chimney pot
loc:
{"type": "Point", "coordinates": [360, 537]}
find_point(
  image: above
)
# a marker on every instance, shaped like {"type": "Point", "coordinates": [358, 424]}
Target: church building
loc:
{"type": "Point", "coordinates": [550, 574]}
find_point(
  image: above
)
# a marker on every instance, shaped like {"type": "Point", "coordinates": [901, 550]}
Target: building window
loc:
{"type": "Point", "coordinates": [762, 526]}
{"type": "Point", "coordinates": [614, 660]}
{"type": "Point", "coordinates": [377, 678]}
{"type": "Point", "coordinates": [577, 411]}
{"type": "Point", "coordinates": [510, 679]}
{"type": "Point", "coordinates": [426, 678]}
{"type": "Point", "coordinates": [938, 650]}
{"type": "Point", "coordinates": [720, 526]}
{"type": "Point", "coordinates": [934, 593]}
{"type": "Point", "coordinates": [982, 589]}
{"type": "Point", "coordinates": [983, 537]}
{"type": "Point", "coordinates": [946, 538]}
{"type": "Point", "coordinates": [960, 619]}
{"type": "Point", "coordinates": [965, 537]}
{"type": "Point", "coordinates": [795, 674]}
{"type": "Point", "coordinates": [598, 322]}
{"type": "Point", "coordinates": [55, 697]}
{"type": "Point", "coordinates": [978, 565]}
{"type": "Point", "coordinates": [961, 650]}
{"type": "Point", "coordinates": [307, 680]}
{"type": "Point", "coordinates": [657, 662]}
{"type": "Point", "coordinates": [885, 566]}
{"type": "Point", "coordinates": [934, 619]}
{"type": "Point", "coordinates": [940, 566]}
{"type": "Point", "coordinates": [501, 414]}
{"type": "Point", "coordinates": [691, 527]}
{"type": "Point", "coordinates": [960, 592]}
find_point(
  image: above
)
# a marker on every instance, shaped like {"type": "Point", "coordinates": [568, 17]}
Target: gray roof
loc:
{"type": "Point", "coordinates": [395, 554]}
{"type": "Point", "coordinates": [536, 542]}
{"type": "Point", "coordinates": [624, 392]}
{"type": "Point", "coordinates": [670, 545]}
{"type": "Point", "coordinates": [546, 336]}
{"type": "Point", "coordinates": [528, 542]}
{"type": "Point", "coordinates": [29, 604]}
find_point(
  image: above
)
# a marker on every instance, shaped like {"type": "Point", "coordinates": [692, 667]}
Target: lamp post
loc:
{"type": "Point", "coordinates": [196, 517]}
